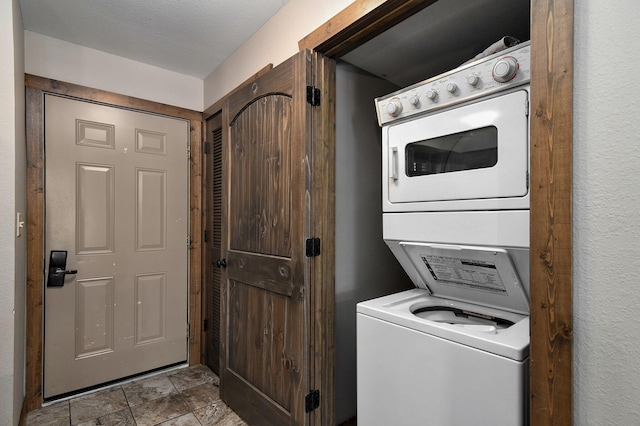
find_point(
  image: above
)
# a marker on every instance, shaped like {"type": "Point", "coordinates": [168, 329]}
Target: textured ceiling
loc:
{"type": "Point", "coordinates": [191, 37]}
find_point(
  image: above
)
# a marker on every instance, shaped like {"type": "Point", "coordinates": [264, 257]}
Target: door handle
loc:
{"type": "Point", "coordinates": [221, 263]}
{"type": "Point", "coordinates": [57, 268]}
{"type": "Point", "coordinates": [393, 163]}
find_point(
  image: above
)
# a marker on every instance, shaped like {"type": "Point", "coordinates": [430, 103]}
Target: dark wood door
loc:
{"type": "Point", "coordinates": [213, 241]}
{"type": "Point", "coordinates": [266, 297]}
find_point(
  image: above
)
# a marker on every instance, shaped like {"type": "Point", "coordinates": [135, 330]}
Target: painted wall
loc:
{"type": "Point", "coordinates": [275, 42]}
{"type": "Point", "coordinates": [606, 214]}
{"type": "Point", "coordinates": [365, 267]}
{"type": "Point", "coordinates": [19, 304]}
{"type": "Point", "coordinates": [60, 60]}
{"type": "Point", "coordinates": [13, 196]}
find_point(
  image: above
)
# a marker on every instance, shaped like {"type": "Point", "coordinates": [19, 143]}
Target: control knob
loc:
{"type": "Point", "coordinates": [473, 80]}
{"type": "Point", "coordinates": [451, 87]}
{"type": "Point", "coordinates": [432, 94]}
{"type": "Point", "coordinates": [414, 100]}
{"type": "Point", "coordinates": [505, 69]}
{"type": "Point", "coordinates": [394, 107]}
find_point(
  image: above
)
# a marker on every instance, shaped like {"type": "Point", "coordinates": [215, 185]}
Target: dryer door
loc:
{"type": "Point", "coordinates": [476, 151]}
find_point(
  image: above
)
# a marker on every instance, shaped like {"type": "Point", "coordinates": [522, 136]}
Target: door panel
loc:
{"type": "Point", "coordinates": [94, 317]}
{"type": "Point", "coordinates": [265, 365]}
{"type": "Point", "coordinates": [117, 201]}
{"type": "Point", "coordinates": [263, 340]}
{"type": "Point", "coordinates": [96, 207]}
{"type": "Point", "coordinates": [261, 171]}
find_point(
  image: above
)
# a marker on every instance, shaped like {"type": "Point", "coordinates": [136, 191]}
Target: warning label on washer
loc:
{"type": "Point", "coordinates": [464, 272]}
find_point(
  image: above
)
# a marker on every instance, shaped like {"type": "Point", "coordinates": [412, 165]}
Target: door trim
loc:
{"type": "Point", "coordinates": [36, 87]}
{"type": "Point", "coordinates": [358, 23]}
{"type": "Point", "coordinates": [323, 192]}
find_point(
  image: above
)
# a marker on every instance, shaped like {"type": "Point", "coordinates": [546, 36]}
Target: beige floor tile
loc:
{"type": "Point", "coordinates": [148, 389]}
{"type": "Point", "coordinates": [160, 410]}
{"type": "Point", "coordinates": [199, 396]}
{"type": "Point", "coordinates": [93, 406]}
{"type": "Point", "coordinates": [52, 415]}
{"type": "Point", "coordinates": [185, 397]}
{"type": "Point", "coordinates": [119, 418]}
{"type": "Point", "coordinates": [186, 420]}
{"type": "Point", "coordinates": [231, 419]}
{"type": "Point", "coordinates": [193, 376]}
{"type": "Point", "coordinates": [210, 415]}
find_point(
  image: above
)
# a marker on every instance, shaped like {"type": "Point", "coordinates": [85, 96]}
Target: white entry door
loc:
{"type": "Point", "coordinates": [117, 201]}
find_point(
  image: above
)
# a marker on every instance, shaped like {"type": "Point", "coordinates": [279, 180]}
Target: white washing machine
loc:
{"type": "Point", "coordinates": [430, 356]}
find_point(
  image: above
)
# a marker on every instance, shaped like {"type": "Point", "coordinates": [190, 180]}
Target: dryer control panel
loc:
{"type": "Point", "coordinates": [501, 71]}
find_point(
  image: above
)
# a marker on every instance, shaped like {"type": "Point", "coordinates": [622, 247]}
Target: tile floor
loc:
{"type": "Point", "coordinates": [185, 397]}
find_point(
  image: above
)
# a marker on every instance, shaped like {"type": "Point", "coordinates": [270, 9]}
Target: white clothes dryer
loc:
{"type": "Point", "coordinates": [440, 358]}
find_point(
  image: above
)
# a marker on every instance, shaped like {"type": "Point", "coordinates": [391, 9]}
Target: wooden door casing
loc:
{"type": "Point", "coordinates": [36, 88]}
{"type": "Point", "coordinates": [265, 361]}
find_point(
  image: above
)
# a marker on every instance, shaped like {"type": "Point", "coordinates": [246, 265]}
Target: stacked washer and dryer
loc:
{"type": "Point", "coordinates": [454, 350]}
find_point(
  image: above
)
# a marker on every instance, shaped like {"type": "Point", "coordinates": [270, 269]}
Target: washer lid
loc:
{"type": "Point", "coordinates": [480, 275]}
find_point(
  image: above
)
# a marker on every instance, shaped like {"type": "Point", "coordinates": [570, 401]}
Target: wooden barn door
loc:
{"type": "Point", "coordinates": [267, 314]}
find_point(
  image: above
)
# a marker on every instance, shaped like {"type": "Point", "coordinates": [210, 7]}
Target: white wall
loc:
{"type": "Point", "coordinates": [20, 206]}
{"type": "Point", "coordinates": [52, 58]}
{"type": "Point", "coordinates": [12, 194]}
{"type": "Point", "coordinates": [606, 214]}
{"type": "Point", "coordinates": [365, 267]}
{"type": "Point", "coordinates": [275, 42]}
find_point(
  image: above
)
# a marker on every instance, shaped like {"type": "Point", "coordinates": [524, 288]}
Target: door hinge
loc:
{"type": "Point", "coordinates": [313, 96]}
{"type": "Point", "coordinates": [312, 401]}
{"type": "Point", "coordinates": [313, 247]}
{"type": "Point", "coordinates": [205, 325]}
{"type": "Point", "coordinates": [207, 150]}
{"type": "Point", "coordinates": [206, 235]}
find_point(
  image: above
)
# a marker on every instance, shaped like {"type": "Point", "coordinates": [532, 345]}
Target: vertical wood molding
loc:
{"type": "Point", "coordinates": [36, 87]}
{"type": "Point", "coordinates": [35, 248]}
{"type": "Point", "coordinates": [195, 256]}
{"type": "Point", "coordinates": [551, 234]}
{"type": "Point", "coordinates": [323, 227]}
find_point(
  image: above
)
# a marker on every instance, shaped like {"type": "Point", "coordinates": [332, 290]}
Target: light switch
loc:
{"type": "Point", "coordinates": [19, 224]}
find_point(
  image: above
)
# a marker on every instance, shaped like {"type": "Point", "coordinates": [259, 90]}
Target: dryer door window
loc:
{"type": "Point", "coordinates": [469, 150]}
